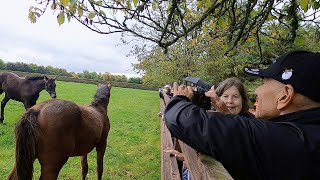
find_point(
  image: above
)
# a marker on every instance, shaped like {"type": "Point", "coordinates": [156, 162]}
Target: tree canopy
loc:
{"type": "Point", "coordinates": [206, 59]}
{"type": "Point", "coordinates": [198, 33]}
{"type": "Point", "coordinates": [164, 22]}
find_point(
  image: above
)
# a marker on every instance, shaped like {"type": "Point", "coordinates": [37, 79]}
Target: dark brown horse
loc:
{"type": "Point", "coordinates": [24, 90]}
{"type": "Point", "coordinates": [55, 130]}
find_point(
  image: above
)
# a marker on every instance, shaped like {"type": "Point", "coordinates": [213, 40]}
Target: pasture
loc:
{"type": "Point", "coordinates": [133, 150]}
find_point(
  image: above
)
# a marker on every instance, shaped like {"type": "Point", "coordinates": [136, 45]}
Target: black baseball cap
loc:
{"type": "Point", "coordinates": [300, 69]}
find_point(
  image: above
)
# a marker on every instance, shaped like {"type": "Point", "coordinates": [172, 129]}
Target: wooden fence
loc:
{"type": "Point", "coordinates": [201, 167]}
{"type": "Point", "coordinates": [88, 81]}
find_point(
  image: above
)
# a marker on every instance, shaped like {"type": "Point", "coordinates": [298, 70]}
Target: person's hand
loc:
{"type": "Point", "coordinates": [219, 105]}
{"type": "Point", "coordinates": [182, 90]}
{"type": "Point", "coordinates": [160, 114]}
{"type": "Point", "coordinates": [175, 153]}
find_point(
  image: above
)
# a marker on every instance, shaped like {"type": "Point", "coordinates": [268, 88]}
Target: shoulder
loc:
{"type": "Point", "coordinates": [247, 115]}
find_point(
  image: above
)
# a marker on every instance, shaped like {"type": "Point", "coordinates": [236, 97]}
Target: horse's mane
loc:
{"type": "Point", "coordinates": [100, 97]}
{"type": "Point", "coordinates": [33, 78]}
{"type": "Point", "coordinates": [98, 100]}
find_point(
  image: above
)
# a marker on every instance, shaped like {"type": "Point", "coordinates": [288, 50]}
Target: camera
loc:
{"type": "Point", "coordinates": [167, 90]}
{"type": "Point", "coordinates": [200, 87]}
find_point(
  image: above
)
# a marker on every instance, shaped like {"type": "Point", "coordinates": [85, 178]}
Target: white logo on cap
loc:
{"type": "Point", "coordinates": [252, 71]}
{"type": "Point", "coordinates": [287, 74]}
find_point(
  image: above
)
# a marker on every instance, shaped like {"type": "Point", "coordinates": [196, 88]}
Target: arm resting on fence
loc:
{"type": "Point", "coordinates": [201, 167]}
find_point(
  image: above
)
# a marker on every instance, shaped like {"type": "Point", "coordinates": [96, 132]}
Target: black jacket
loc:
{"type": "Point", "coordinates": [285, 147]}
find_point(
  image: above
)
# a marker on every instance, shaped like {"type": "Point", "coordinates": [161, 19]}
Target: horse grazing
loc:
{"type": "Point", "coordinates": [54, 130]}
{"type": "Point", "coordinates": [24, 90]}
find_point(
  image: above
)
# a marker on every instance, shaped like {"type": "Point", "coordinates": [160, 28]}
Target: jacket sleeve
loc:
{"type": "Point", "coordinates": [212, 133]}
{"type": "Point", "coordinates": [248, 148]}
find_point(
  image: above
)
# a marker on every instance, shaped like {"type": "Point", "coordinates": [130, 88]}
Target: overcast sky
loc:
{"type": "Point", "coordinates": [70, 46]}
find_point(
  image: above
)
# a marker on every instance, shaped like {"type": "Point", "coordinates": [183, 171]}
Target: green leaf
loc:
{"type": "Point", "coordinates": [80, 11]}
{"type": "Point", "coordinates": [221, 22]}
{"type": "Point", "coordinates": [154, 6]}
{"type": "Point", "coordinates": [193, 42]}
{"type": "Point", "coordinates": [208, 4]}
{"type": "Point", "coordinates": [53, 6]}
{"type": "Point", "coordinates": [61, 18]}
{"type": "Point", "coordinates": [32, 17]}
{"type": "Point", "coordinates": [299, 40]}
{"type": "Point", "coordinates": [64, 2]}
{"type": "Point", "coordinates": [199, 38]}
{"type": "Point", "coordinates": [135, 2]}
{"type": "Point", "coordinates": [103, 13]}
{"type": "Point", "coordinates": [316, 5]}
{"type": "Point", "coordinates": [304, 5]}
{"type": "Point", "coordinates": [73, 1]}
{"type": "Point", "coordinates": [99, 3]}
{"type": "Point", "coordinates": [205, 29]}
{"type": "Point", "coordinates": [92, 15]}
{"type": "Point", "coordinates": [73, 8]}
{"type": "Point", "coordinates": [207, 37]}
{"type": "Point", "coordinates": [200, 4]}
{"type": "Point", "coordinates": [128, 4]}
{"type": "Point", "coordinates": [225, 47]}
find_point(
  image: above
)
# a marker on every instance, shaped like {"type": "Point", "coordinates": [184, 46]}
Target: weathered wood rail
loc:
{"type": "Point", "coordinates": [201, 167]}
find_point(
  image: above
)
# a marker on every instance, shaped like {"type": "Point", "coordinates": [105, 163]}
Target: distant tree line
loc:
{"type": "Point", "coordinates": [49, 70]}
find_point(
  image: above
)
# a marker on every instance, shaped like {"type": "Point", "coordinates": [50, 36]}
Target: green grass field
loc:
{"type": "Point", "coordinates": [133, 150]}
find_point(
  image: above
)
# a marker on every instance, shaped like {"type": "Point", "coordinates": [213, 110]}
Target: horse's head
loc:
{"type": "Point", "coordinates": [103, 91]}
{"type": "Point", "coordinates": [102, 95]}
{"type": "Point", "coordinates": [50, 86]}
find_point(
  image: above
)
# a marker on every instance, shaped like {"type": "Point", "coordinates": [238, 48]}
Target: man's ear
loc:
{"type": "Point", "coordinates": [285, 96]}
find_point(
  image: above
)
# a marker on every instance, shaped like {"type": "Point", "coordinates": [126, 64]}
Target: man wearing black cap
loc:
{"type": "Point", "coordinates": [283, 144]}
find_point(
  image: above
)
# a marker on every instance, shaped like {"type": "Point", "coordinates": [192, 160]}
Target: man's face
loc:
{"type": "Point", "coordinates": [267, 99]}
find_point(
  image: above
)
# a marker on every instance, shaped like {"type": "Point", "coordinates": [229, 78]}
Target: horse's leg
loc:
{"type": "Point", "coordinates": [3, 104]}
{"type": "Point", "coordinates": [28, 104]}
{"type": "Point", "coordinates": [84, 166]}
{"type": "Point", "coordinates": [50, 171]}
{"type": "Point", "coordinates": [101, 148]}
{"type": "Point", "coordinates": [13, 174]}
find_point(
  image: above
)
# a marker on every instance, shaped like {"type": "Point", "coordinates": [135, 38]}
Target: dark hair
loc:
{"type": "Point", "coordinates": [233, 81]}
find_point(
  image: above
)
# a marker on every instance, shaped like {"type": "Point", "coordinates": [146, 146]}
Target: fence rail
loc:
{"type": "Point", "coordinates": [201, 167]}
{"type": "Point", "coordinates": [88, 81]}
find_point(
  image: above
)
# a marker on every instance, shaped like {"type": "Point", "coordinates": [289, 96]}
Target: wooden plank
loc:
{"type": "Point", "coordinates": [169, 166]}
{"type": "Point", "coordinates": [194, 165]}
{"type": "Point", "coordinates": [203, 167]}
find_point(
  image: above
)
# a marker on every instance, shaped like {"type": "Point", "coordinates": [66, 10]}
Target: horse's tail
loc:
{"type": "Point", "coordinates": [27, 132]}
{"type": "Point", "coordinates": [2, 79]}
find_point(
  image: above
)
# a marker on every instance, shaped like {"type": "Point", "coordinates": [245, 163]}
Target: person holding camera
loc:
{"type": "Point", "coordinates": [282, 142]}
{"type": "Point", "coordinates": [234, 99]}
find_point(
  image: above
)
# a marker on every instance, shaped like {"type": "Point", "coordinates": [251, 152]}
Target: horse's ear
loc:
{"type": "Point", "coordinates": [55, 78]}
{"type": "Point", "coordinates": [109, 85]}
{"type": "Point", "coordinates": [98, 84]}
{"type": "Point", "coordinates": [45, 77]}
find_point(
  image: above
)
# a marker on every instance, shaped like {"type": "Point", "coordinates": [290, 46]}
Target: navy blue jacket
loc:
{"type": "Point", "coordinates": [285, 147]}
